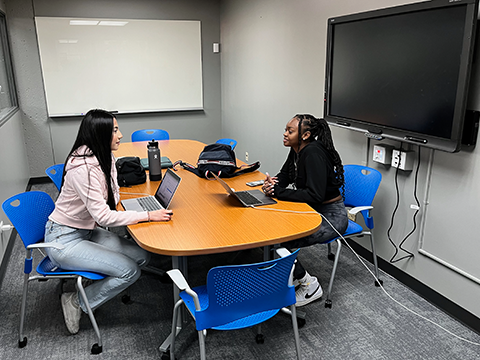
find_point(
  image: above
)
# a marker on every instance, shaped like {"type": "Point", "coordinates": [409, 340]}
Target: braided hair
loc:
{"type": "Point", "coordinates": [320, 131]}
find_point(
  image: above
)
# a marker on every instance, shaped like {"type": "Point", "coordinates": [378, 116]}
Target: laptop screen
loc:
{"type": "Point", "coordinates": [167, 188]}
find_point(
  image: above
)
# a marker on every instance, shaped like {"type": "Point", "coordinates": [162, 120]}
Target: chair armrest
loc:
{"type": "Point", "coordinates": [180, 282]}
{"type": "Point", "coordinates": [178, 279]}
{"type": "Point", "coordinates": [282, 252]}
{"type": "Point", "coordinates": [357, 209]}
{"type": "Point", "coordinates": [46, 245]}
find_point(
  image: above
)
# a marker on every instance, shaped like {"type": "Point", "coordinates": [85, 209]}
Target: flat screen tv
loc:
{"type": "Point", "coordinates": [402, 73]}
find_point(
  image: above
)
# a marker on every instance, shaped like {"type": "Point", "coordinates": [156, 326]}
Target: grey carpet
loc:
{"type": "Point", "coordinates": [363, 323]}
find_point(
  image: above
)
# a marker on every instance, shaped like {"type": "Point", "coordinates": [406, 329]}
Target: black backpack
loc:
{"type": "Point", "coordinates": [130, 171]}
{"type": "Point", "coordinates": [219, 159]}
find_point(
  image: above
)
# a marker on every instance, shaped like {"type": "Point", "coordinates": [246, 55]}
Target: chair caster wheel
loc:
{"type": "Point", "coordinates": [378, 283]}
{"type": "Point", "coordinates": [23, 343]}
{"type": "Point", "coordinates": [328, 304]}
{"type": "Point", "coordinates": [126, 299]}
{"type": "Point", "coordinates": [331, 257]}
{"type": "Point", "coordinates": [301, 322]}
{"type": "Point", "coordinates": [96, 349]}
{"type": "Point", "coordinates": [259, 339]}
{"type": "Point", "coordinates": [166, 355]}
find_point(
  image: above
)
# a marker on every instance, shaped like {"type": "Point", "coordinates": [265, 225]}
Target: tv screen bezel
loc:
{"type": "Point", "coordinates": [378, 131]}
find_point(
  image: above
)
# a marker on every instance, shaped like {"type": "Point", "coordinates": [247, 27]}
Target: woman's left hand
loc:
{"type": "Point", "coordinates": [268, 185]}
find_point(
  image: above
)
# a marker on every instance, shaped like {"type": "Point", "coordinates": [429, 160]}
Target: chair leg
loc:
{"type": "Point", "coordinates": [330, 255]}
{"type": "Point", "coordinates": [174, 328]}
{"type": "Point", "coordinates": [96, 348]}
{"type": "Point", "coordinates": [259, 338]}
{"type": "Point", "coordinates": [328, 301]}
{"type": "Point", "coordinates": [201, 340]}
{"type": "Point", "coordinates": [295, 330]}
{"type": "Point", "coordinates": [378, 282]}
{"type": "Point", "coordinates": [22, 341]}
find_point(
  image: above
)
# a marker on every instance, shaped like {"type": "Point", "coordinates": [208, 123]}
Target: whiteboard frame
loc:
{"type": "Point", "coordinates": [86, 67]}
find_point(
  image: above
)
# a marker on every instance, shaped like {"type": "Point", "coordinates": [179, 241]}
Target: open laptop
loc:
{"type": "Point", "coordinates": [163, 196]}
{"type": "Point", "coordinates": [248, 198]}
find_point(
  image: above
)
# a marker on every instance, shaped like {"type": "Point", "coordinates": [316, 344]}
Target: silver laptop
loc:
{"type": "Point", "coordinates": [247, 198]}
{"type": "Point", "coordinates": [163, 196]}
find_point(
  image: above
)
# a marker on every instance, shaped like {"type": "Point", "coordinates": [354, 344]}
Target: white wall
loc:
{"type": "Point", "coordinates": [273, 63]}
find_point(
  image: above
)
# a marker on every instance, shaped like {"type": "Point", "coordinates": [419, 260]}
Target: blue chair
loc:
{"type": "Point", "coordinates": [226, 141]}
{"type": "Point", "coordinates": [237, 297]}
{"type": "Point", "coordinates": [149, 134]}
{"type": "Point", "coordinates": [28, 213]}
{"type": "Point", "coordinates": [55, 172]}
{"type": "Point", "coordinates": [361, 185]}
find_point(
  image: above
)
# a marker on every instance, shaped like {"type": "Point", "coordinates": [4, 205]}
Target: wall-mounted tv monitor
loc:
{"type": "Point", "coordinates": [402, 73]}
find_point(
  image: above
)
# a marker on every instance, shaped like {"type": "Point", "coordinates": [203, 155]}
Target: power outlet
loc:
{"type": "Point", "coordinates": [246, 155]}
{"type": "Point", "coordinates": [402, 160]}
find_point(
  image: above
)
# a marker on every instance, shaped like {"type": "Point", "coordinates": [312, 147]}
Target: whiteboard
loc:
{"type": "Point", "coordinates": [120, 65]}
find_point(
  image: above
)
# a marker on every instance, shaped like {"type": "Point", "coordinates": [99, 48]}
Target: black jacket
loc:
{"type": "Point", "coordinates": [314, 177]}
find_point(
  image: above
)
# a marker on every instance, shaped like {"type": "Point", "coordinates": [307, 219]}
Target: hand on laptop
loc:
{"type": "Point", "coordinates": [161, 215]}
{"type": "Point", "coordinates": [268, 185]}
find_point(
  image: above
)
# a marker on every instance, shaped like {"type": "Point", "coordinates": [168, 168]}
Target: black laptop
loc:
{"type": "Point", "coordinates": [247, 198]}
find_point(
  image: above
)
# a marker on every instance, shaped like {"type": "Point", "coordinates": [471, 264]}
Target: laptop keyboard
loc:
{"type": "Point", "coordinates": [149, 203]}
{"type": "Point", "coordinates": [247, 198]}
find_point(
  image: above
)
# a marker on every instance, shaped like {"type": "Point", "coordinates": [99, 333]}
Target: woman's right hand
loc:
{"type": "Point", "coordinates": [161, 215]}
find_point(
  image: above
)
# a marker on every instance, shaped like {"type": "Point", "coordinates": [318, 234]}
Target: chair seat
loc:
{"type": "Point", "coordinates": [353, 228]}
{"type": "Point", "coordinates": [46, 267]}
{"type": "Point", "coordinates": [245, 322]}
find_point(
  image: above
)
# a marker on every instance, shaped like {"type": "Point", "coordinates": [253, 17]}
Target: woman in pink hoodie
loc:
{"type": "Point", "coordinates": [86, 203]}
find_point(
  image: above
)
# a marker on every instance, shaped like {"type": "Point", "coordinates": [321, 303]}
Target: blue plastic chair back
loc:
{"type": "Point", "coordinates": [227, 141]}
{"type": "Point", "coordinates": [361, 185]}
{"type": "Point", "coordinates": [238, 291]}
{"type": "Point", "coordinates": [149, 134]}
{"type": "Point", "coordinates": [55, 172]}
{"type": "Point", "coordinates": [29, 213]}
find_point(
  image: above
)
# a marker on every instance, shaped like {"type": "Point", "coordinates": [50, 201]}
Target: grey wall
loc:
{"type": "Point", "coordinates": [13, 162]}
{"type": "Point", "coordinates": [49, 140]}
{"type": "Point", "coordinates": [273, 61]}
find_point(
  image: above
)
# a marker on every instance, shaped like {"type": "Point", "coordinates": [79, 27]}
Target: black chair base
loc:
{"type": "Point", "coordinates": [23, 343]}
{"type": "Point", "coordinates": [96, 349]}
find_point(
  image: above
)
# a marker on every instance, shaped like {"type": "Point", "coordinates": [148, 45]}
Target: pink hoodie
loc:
{"type": "Point", "coordinates": [82, 203]}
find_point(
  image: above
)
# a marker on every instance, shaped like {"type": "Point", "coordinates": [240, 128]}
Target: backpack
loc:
{"type": "Point", "coordinates": [130, 171]}
{"type": "Point", "coordinates": [219, 159]}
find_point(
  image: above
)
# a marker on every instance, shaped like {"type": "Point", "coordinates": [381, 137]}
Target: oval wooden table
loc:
{"type": "Point", "coordinates": [206, 219]}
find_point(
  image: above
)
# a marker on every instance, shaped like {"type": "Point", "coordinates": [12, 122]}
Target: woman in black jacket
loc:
{"type": "Point", "coordinates": [314, 169]}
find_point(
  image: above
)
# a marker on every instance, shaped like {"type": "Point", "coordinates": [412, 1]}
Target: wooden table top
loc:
{"type": "Point", "coordinates": [206, 220]}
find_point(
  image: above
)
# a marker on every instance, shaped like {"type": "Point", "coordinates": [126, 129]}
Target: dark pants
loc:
{"type": "Point", "coordinates": [337, 215]}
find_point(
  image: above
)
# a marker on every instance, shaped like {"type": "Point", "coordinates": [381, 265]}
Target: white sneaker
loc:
{"type": "Point", "coordinates": [71, 311]}
{"type": "Point", "coordinates": [296, 283]}
{"type": "Point", "coordinates": [308, 292]}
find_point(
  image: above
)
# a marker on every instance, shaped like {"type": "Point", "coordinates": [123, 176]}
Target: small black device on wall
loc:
{"type": "Point", "coordinates": [470, 128]}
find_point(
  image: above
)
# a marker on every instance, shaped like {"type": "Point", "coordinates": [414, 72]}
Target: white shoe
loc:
{"type": "Point", "coordinates": [71, 311]}
{"type": "Point", "coordinates": [308, 292]}
{"type": "Point", "coordinates": [296, 283]}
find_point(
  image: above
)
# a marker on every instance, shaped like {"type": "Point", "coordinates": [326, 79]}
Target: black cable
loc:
{"type": "Point", "coordinates": [416, 211]}
{"type": "Point", "coordinates": [394, 211]}
{"type": "Point", "coordinates": [410, 254]}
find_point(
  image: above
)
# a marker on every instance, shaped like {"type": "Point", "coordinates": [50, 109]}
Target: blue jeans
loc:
{"type": "Point", "coordinates": [99, 251]}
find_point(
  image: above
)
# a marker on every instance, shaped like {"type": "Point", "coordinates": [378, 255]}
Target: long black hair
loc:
{"type": "Point", "coordinates": [96, 132]}
{"type": "Point", "coordinates": [320, 131]}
